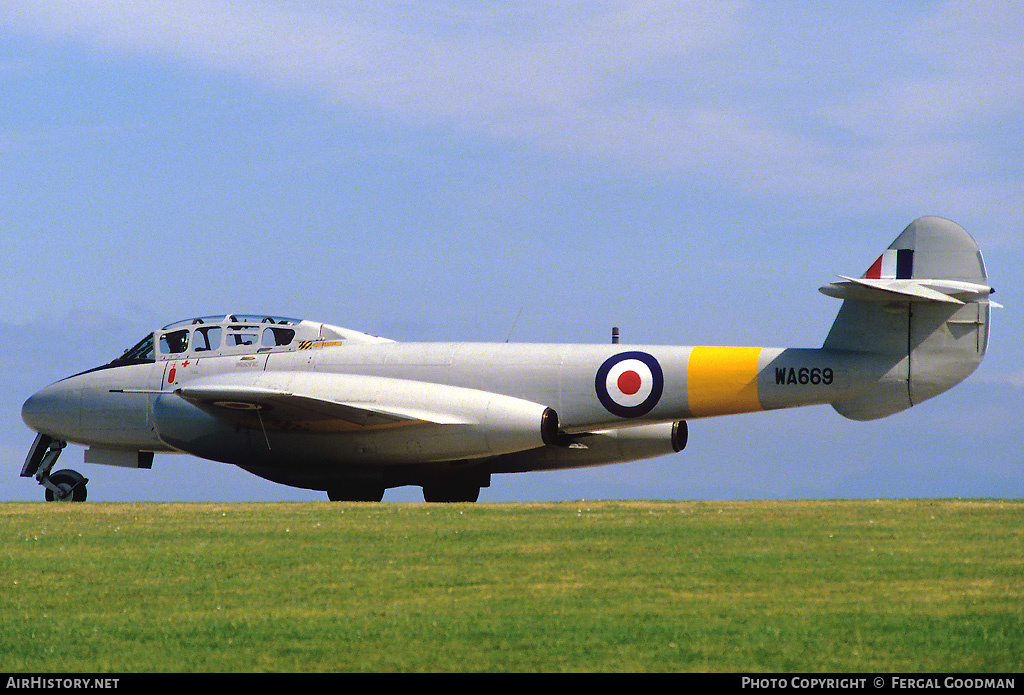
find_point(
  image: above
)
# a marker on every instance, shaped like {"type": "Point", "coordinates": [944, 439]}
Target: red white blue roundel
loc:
{"type": "Point", "coordinates": [630, 384]}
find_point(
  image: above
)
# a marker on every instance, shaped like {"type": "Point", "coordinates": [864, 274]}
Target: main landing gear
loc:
{"type": "Point", "coordinates": [63, 486]}
{"type": "Point", "coordinates": [445, 489]}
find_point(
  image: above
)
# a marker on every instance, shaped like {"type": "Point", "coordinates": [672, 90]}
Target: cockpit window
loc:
{"type": "Point", "coordinates": [174, 342]}
{"type": "Point", "coordinates": [242, 335]}
{"type": "Point", "coordinates": [204, 339]}
{"type": "Point", "coordinates": [141, 352]}
{"type": "Point", "coordinates": [274, 337]}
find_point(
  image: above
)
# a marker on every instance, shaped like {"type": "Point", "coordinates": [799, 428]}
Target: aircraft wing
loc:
{"type": "Point", "coordinates": [276, 409]}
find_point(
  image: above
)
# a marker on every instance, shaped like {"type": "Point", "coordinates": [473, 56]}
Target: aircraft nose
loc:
{"type": "Point", "coordinates": [53, 410]}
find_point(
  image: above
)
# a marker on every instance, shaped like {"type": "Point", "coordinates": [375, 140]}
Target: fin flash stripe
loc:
{"type": "Point", "coordinates": [893, 264]}
{"type": "Point", "coordinates": [722, 380]}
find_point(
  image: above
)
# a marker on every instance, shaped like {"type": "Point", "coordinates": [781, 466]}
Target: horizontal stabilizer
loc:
{"type": "Point", "coordinates": [905, 290]}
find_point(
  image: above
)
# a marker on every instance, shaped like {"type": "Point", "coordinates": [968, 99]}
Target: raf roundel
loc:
{"type": "Point", "coordinates": [629, 384]}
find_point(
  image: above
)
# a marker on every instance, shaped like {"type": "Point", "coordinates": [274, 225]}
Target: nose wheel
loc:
{"type": "Point", "coordinates": [63, 486]}
{"type": "Point", "coordinates": [66, 486]}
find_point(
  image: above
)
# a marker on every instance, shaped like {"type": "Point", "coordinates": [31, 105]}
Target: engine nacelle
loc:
{"type": "Point", "coordinates": [430, 422]}
{"type": "Point", "coordinates": [598, 448]}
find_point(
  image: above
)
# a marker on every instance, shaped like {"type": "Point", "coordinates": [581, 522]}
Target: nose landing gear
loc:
{"type": "Point", "coordinates": [63, 486]}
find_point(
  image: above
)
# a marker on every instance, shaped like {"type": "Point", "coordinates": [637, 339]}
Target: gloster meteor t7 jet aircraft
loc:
{"type": "Point", "coordinates": [319, 407]}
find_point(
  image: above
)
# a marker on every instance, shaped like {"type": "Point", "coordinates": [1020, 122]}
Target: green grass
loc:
{"type": "Point", "coordinates": [578, 586]}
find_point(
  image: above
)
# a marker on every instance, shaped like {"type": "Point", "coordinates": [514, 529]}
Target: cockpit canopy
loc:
{"type": "Point", "coordinates": [232, 333]}
{"type": "Point", "coordinates": [238, 334]}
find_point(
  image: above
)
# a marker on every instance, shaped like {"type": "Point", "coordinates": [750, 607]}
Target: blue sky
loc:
{"type": "Point", "coordinates": [691, 172]}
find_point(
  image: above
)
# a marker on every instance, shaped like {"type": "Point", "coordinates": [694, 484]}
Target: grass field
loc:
{"type": "Point", "coordinates": [877, 586]}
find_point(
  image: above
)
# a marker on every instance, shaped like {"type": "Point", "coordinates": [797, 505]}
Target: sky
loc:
{"type": "Point", "coordinates": [690, 172]}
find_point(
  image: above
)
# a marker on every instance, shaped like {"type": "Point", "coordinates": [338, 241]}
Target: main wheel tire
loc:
{"type": "Point", "coordinates": [451, 492]}
{"type": "Point", "coordinates": [356, 492]}
{"type": "Point", "coordinates": [71, 485]}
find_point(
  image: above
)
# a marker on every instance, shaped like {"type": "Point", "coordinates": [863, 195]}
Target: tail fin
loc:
{"type": "Point", "coordinates": [918, 319]}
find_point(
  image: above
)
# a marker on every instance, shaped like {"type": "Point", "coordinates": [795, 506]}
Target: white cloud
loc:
{"type": "Point", "coordinates": [1014, 380]}
{"type": "Point", "coordinates": [682, 85]}
{"type": "Point", "coordinates": [397, 60]}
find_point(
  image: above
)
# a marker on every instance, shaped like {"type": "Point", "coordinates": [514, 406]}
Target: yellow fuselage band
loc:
{"type": "Point", "coordinates": [722, 380]}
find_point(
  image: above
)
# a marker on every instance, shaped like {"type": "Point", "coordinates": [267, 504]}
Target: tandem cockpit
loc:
{"type": "Point", "coordinates": [238, 334]}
